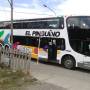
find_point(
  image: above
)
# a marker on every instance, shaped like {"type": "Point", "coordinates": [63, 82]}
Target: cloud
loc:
{"type": "Point", "coordinates": [78, 7]}
{"type": "Point", "coordinates": [25, 5]}
{"type": "Point", "coordinates": [35, 9]}
{"type": "Point", "coordinates": [22, 13]}
{"type": "Point", "coordinates": [32, 9]}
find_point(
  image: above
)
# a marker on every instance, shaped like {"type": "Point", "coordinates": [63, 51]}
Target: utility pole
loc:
{"type": "Point", "coordinates": [11, 38]}
{"type": "Point", "coordinates": [11, 5]}
{"type": "Point", "coordinates": [49, 9]}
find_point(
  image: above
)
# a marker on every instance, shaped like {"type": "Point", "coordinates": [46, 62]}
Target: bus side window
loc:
{"type": "Point", "coordinates": [4, 25]}
{"type": "Point", "coordinates": [61, 44]}
{"type": "Point", "coordinates": [44, 43]}
{"type": "Point", "coordinates": [25, 25]}
{"type": "Point", "coordinates": [32, 41]}
{"type": "Point", "coordinates": [17, 25]}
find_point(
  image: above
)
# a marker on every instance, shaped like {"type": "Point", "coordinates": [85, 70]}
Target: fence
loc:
{"type": "Point", "coordinates": [16, 59]}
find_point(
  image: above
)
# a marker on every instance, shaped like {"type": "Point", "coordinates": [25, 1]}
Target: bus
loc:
{"type": "Point", "coordinates": [64, 40]}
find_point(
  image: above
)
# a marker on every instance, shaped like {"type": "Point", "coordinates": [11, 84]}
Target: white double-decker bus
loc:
{"type": "Point", "coordinates": [63, 40]}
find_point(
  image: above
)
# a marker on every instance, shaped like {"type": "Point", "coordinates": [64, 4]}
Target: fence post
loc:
{"type": "Point", "coordinates": [17, 60]}
{"type": "Point", "coordinates": [0, 54]}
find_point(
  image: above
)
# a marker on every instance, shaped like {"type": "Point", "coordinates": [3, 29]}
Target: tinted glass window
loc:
{"type": "Point", "coordinates": [86, 47]}
{"type": "Point", "coordinates": [20, 39]}
{"type": "Point", "coordinates": [79, 33]}
{"type": "Point", "coordinates": [32, 41]}
{"type": "Point", "coordinates": [47, 24]}
{"type": "Point", "coordinates": [17, 25]}
{"type": "Point", "coordinates": [82, 22]}
{"type": "Point", "coordinates": [77, 45]}
{"type": "Point", "coordinates": [25, 25]}
{"type": "Point", "coordinates": [35, 25]}
{"type": "Point", "coordinates": [53, 23]}
{"type": "Point", "coordinates": [60, 44]}
{"type": "Point", "coordinates": [4, 25]}
{"type": "Point", "coordinates": [81, 46]}
{"type": "Point", "coordinates": [26, 40]}
{"type": "Point", "coordinates": [44, 42]}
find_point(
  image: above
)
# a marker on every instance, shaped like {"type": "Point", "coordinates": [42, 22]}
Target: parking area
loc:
{"type": "Point", "coordinates": [78, 79]}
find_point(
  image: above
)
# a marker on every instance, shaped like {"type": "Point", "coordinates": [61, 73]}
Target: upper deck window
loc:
{"type": "Point", "coordinates": [48, 23]}
{"type": "Point", "coordinates": [80, 22]}
{"type": "Point", "coordinates": [57, 23]}
{"type": "Point", "coordinates": [4, 25]}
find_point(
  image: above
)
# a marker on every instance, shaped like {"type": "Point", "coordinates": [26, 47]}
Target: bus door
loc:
{"type": "Point", "coordinates": [52, 50]}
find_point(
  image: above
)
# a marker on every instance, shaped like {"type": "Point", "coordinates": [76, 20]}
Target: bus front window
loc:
{"type": "Point", "coordinates": [78, 28]}
{"type": "Point", "coordinates": [82, 22]}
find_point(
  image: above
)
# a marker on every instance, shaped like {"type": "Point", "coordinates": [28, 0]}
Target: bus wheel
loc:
{"type": "Point", "coordinates": [69, 62]}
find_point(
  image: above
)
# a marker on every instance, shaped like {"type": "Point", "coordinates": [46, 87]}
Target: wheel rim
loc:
{"type": "Point", "coordinates": [68, 64]}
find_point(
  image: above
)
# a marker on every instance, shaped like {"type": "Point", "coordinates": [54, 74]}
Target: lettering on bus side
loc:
{"type": "Point", "coordinates": [43, 33]}
{"type": "Point", "coordinates": [28, 33]}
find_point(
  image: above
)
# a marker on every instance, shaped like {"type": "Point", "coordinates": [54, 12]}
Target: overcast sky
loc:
{"type": "Point", "coordinates": [35, 9]}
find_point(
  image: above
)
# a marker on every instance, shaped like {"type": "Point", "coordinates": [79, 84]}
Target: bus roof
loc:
{"type": "Point", "coordinates": [46, 18]}
{"type": "Point", "coordinates": [34, 19]}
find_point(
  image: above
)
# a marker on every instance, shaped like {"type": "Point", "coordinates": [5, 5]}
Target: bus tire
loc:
{"type": "Point", "coordinates": [68, 62]}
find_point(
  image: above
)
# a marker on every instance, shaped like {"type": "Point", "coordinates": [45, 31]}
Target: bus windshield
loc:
{"type": "Point", "coordinates": [82, 22]}
{"type": "Point", "coordinates": [78, 28]}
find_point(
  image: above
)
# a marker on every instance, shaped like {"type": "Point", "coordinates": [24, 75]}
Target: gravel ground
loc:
{"type": "Point", "coordinates": [44, 86]}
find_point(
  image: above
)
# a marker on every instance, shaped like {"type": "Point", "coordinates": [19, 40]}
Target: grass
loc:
{"type": "Point", "coordinates": [14, 80]}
